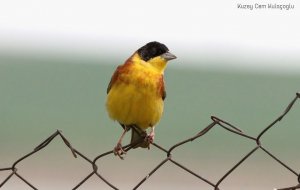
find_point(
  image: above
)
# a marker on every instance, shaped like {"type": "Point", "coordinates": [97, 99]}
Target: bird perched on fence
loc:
{"type": "Point", "coordinates": [136, 93]}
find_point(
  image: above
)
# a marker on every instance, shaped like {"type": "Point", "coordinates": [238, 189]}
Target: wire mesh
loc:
{"type": "Point", "coordinates": [216, 122]}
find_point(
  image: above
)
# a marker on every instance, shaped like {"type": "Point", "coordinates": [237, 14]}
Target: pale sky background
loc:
{"type": "Point", "coordinates": [212, 30]}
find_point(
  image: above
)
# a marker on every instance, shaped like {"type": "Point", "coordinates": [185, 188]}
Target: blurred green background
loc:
{"type": "Point", "coordinates": [57, 57]}
{"type": "Point", "coordinates": [40, 94]}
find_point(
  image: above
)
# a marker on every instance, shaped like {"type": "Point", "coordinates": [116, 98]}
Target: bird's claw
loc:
{"type": "Point", "coordinates": [118, 151]}
{"type": "Point", "coordinates": [149, 139]}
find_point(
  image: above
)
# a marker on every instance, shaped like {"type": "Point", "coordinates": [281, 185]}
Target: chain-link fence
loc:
{"type": "Point", "coordinates": [216, 122]}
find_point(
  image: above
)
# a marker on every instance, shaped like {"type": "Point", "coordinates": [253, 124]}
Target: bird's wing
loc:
{"type": "Point", "coordinates": [119, 70]}
{"type": "Point", "coordinates": [113, 79]}
{"type": "Point", "coordinates": [162, 89]}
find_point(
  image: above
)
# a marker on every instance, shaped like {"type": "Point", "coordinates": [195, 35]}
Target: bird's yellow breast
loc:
{"type": "Point", "coordinates": [135, 98]}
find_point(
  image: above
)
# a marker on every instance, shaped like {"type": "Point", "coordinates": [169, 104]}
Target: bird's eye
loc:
{"type": "Point", "coordinates": [151, 50]}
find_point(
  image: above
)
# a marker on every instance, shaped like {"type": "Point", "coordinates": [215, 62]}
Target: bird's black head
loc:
{"type": "Point", "coordinates": [152, 49]}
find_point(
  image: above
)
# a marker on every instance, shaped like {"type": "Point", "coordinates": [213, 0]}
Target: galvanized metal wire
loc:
{"type": "Point", "coordinates": [216, 122]}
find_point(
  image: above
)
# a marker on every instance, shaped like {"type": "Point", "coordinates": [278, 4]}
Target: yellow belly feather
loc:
{"type": "Point", "coordinates": [135, 99]}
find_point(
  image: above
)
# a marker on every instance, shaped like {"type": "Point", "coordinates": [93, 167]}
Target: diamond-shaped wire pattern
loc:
{"type": "Point", "coordinates": [216, 122]}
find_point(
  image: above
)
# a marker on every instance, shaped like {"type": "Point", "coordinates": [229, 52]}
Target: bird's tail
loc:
{"type": "Point", "coordinates": [138, 137]}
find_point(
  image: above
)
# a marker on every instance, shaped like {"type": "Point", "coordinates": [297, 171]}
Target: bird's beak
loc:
{"type": "Point", "coordinates": [168, 56]}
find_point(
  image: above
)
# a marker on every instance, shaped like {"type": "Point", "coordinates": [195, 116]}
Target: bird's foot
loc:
{"type": "Point", "coordinates": [118, 151]}
{"type": "Point", "coordinates": [150, 139]}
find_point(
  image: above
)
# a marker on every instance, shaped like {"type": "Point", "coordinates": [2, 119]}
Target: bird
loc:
{"type": "Point", "coordinates": [136, 94]}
